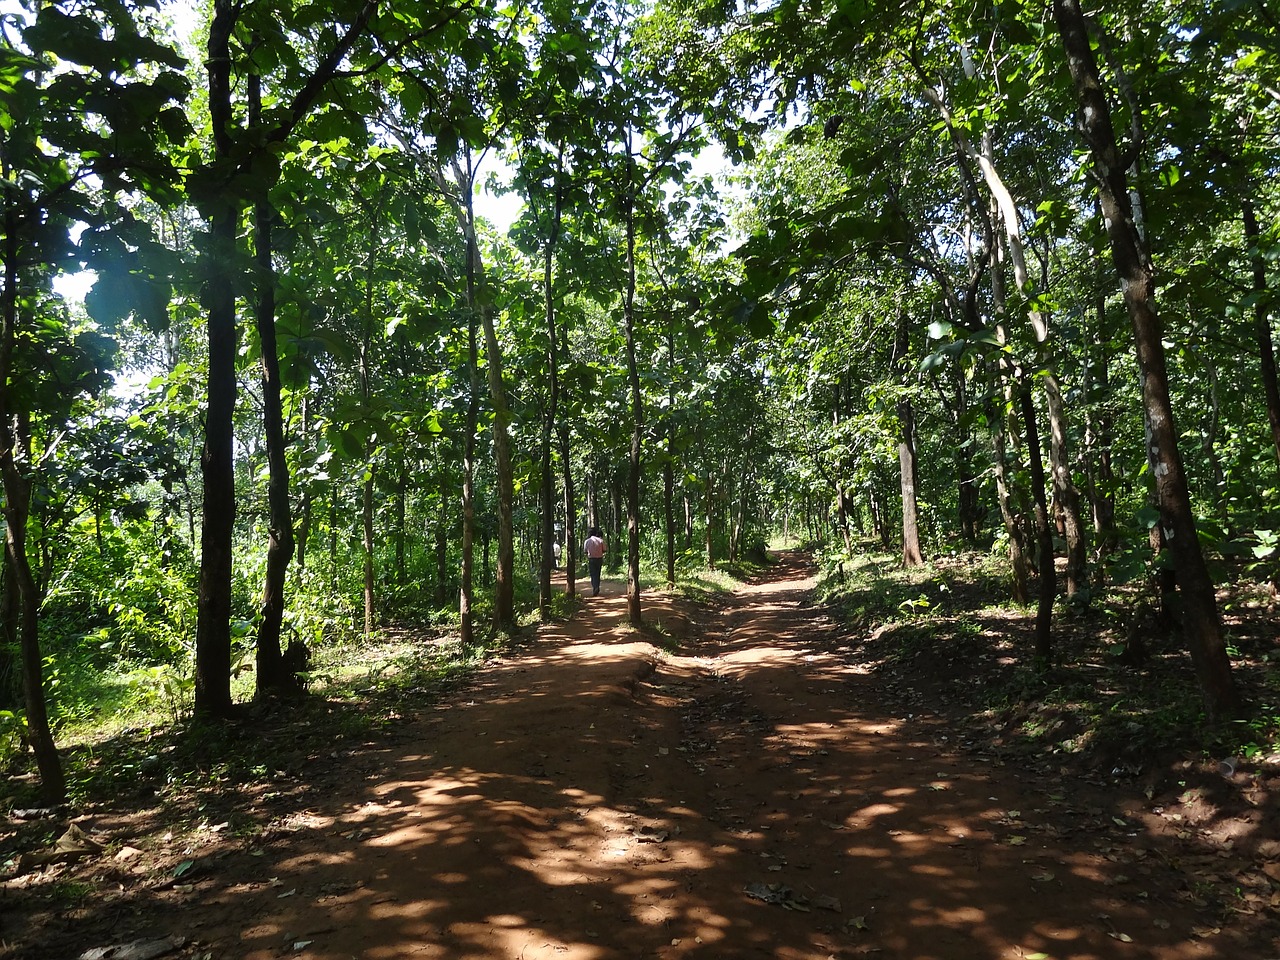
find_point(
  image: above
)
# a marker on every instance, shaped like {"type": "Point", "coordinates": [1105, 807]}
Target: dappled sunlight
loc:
{"type": "Point", "coordinates": [606, 793]}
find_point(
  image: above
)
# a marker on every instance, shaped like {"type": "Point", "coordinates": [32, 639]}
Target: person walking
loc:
{"type": "Point", "coordinates": [594, 549]}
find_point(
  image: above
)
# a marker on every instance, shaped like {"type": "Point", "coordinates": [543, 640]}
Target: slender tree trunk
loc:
{"type": "Point", "coordinates": [271, 674]}
{"type": "Point", "coordinates": [366, 395]}
{"type": "Point", "coordinates": [1008, 495]}
{"type": "Point", "coordinates": [1262, 322]}
{"type": "Point", "coordinates": [304, 511]}
{"type": "Point", "coordinates": [912, 556]}
{"type": "Point", "coordinates": [1005, 211]}
{"type": "Point", "coordinates": [466, 591]}
{"type": "Point", "coordinates": [637, 409]}
{"type": "Point", "coordinates": [1202, 626]}
{"type": "Point", "coordinates": [1048, 576]}
{"type": "Point", "coordinates": [15, 454]}
{"type": "Point", "coordinates": [1098, 439]}
{"type": "Point", "coordinates": [668, 466]}
{"type": "Point", "coordinates": [504, 615]}
{"type": "Point", "coordinates": [10, 658]}
{"type": "Point", "coordinates": [553, 397]}
{"type": "Point", "coordinates": [441, 539]}
{"type": "Point", "coordinates": [366, 543]}
{"type": "Point", "coordinates": [213, 594]}
{"type": "Point", "coordinates": [400, 575]}
{"type": "Point", "coordinates": [570, 553]}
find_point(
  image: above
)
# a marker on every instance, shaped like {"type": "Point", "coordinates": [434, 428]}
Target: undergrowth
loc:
{"type": "Point", "coordinates": [947, 634]}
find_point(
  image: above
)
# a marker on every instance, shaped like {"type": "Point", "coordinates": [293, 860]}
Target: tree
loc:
{"type": "Point", "coordinates": [1134, 268]}
{"type": "Point", "coordinates": [60, 131]}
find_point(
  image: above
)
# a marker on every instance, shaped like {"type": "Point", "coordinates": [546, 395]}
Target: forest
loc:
{"type": "Point", "coordinates": [989, 279]}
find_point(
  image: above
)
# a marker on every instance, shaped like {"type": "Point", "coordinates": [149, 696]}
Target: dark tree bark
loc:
{"type": "Point", "coordinates": [10, 661]}
{"type": "Point", "coordinates": [1202, 626]}
{"type": "Point", "coordinates": [272, 677]}
{"type": "Point", "coordinates": [400, 576]}
{"type": "Point", "coordinates": [668, 466]}
{"type": "Point", "coordinates": [1262, 323]}
{"type": "Point", "coordinates": [15, 459]}
{"type": "Point", "coordinates": [366, 394]}
{"type": "Point", "coordinates": [466, 591]}
{"type": "Point", "coordinates": [637, 408]}
{"type": "Point", "coordinates": [213, 595]}
{"type": "Point", "coordinates": [442, 541]}
{"type": "Point", "coordinates": [1048, 577]}
{"type": "Point", "coordinates": [504, 615]}
{"type": "Point", "coordinates": [546, 558]}
{"type": "Point", "coordinates": [304, 511]}
{"type": "Point", "coordinates": [570, 552]}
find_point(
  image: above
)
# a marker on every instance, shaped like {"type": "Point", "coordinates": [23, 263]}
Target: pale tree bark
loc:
{"type": "Point", "coordinates": [1009, 497]}
{"type": "Point", "coordinates": [1202, 626]}
{"type": "Point", "coordinates": [908, 468]}
{"type": "Point", "coordinates": [1006, 213]}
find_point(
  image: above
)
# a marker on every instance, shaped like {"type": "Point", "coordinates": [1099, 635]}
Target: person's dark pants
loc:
{"type": "Point", "coordinates": [593, 566]}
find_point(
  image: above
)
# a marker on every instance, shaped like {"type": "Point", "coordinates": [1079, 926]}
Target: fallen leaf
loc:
{"type": "Point", "coordinates": [76, 841]}
{"type": "Point", "coordinates": [823, 902]}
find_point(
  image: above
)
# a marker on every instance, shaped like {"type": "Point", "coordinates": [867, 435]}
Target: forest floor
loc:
{"type": "Point", "coordinates": [734, 781]}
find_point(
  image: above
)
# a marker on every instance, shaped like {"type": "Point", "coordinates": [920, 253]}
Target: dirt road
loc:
{"type": "Point", "coordinates": [738, 789]}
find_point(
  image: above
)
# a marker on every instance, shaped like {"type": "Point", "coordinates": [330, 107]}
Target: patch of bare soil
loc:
{"type": "Point", "coordinates": [733, 784]}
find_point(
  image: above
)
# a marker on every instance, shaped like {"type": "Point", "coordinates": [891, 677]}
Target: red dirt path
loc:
{"type": "Point", "coordinates": [592, 796]}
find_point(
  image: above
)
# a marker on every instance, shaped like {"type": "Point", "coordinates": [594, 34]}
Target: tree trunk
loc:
{"type": "Point", "coordinates": [668, 466]}
{"type": "Point", "coordinates": [1202, 626]}
{"type": "Point", "coordinates": [15, 452]}
{"type": "Point", "coordinates": [1008, 495]}
{"type": "Point", "coordinates": [400, 575]}
{"type": "Point", "coordinates": [1262, 323]}
{"type": "Point", "coordinates": [304, 511]}
{"type": "Point", "coordinates": [366, 543]}
{"type": "Point", "coordinates": [1098, 439]}
{"type": "Point", "coordinates": [272, 677]}
{"type": "Point", "coordinates": [637, 409]}
{"type": "Point", "coordinates": [553, 398]}
{"type": "Point", "coordinates": [1048, 576]}
{"type": "Point", "coordinates": [213, 595]}
{"type": "Point", "coordinates": [441, 537]}
{"type": "Point", "coordinates": [570, 553]}
{"type": "Point", "coordinates": [466, 590]}
{"type": "Point", "coordinates": [912, 556]}
{"type": "Point", "coordinates": [1005, 211]}
{"type": "Point", "coordinates": [10, 661]}
{"type": "Point", "coordinates": [504, 614]}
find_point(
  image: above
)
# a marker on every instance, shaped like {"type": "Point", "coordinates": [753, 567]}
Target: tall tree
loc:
{"type": "Point", "coordinates": [1136, 274]}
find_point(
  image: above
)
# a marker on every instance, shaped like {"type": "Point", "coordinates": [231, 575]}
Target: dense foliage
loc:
{"type": "Point", "coordinates": [311, 393]}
